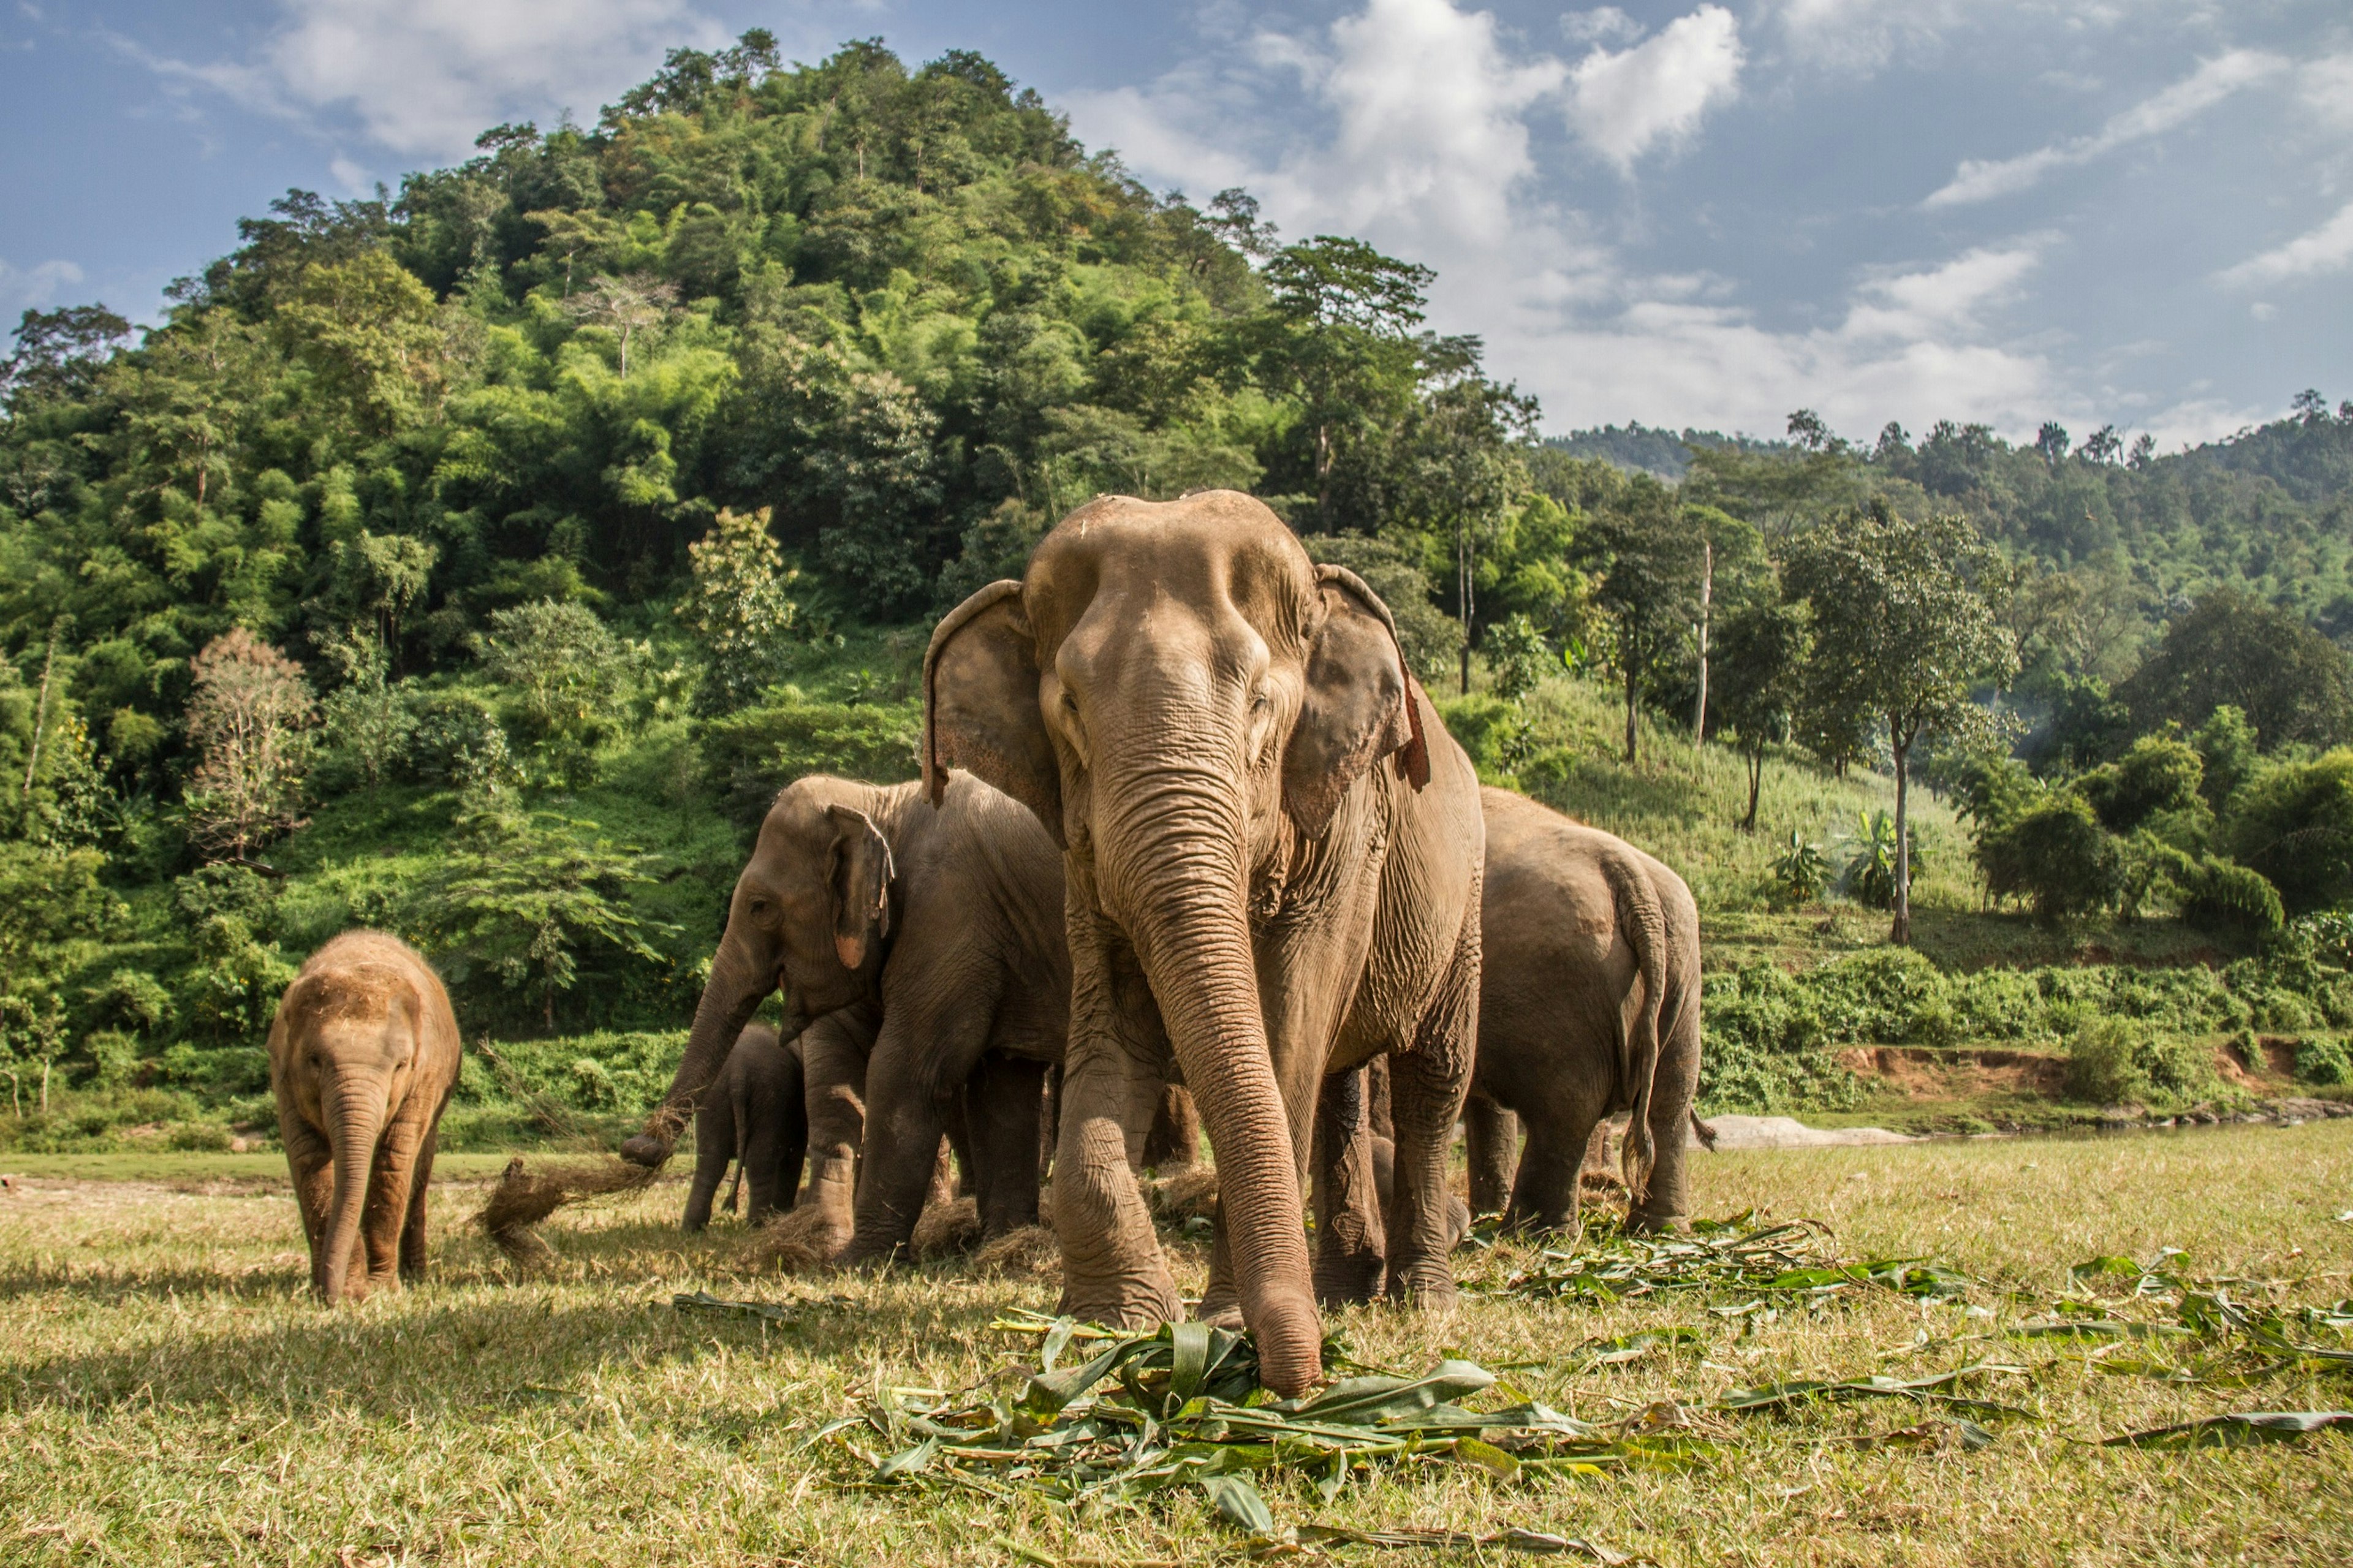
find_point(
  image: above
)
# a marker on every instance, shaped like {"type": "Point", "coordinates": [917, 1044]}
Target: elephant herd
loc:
{"type": "Point", "coordinates": [1185, 818]}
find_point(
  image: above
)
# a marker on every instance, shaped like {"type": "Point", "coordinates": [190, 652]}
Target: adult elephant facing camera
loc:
{"type": "Point", "coordinates": [1271, 863]}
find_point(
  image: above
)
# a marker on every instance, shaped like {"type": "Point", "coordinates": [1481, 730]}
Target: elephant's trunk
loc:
{"type": "Point", "coordinates": [355, 1112]}
{"type": "Point", "coordinates": [1176, 867]}
{"type": "Point", "coordinates": [737, 986]}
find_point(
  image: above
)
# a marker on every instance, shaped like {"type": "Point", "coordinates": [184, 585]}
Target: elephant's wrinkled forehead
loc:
{"type": "Point", "coordinates": [1210, 557]}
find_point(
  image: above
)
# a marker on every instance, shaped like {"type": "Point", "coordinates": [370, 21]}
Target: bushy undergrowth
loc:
{"type": "Point", "coordinates": [1771, 1034]}
{"type": "Point", "coordinates": [2115, 1061]}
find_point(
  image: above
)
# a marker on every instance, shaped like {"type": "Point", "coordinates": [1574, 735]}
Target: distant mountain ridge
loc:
{"type": "Point", "coordinates": [1640, 449]}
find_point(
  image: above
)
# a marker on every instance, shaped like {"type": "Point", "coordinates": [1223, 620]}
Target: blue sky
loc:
{"type": "Point", "coordinates": [2137, 212]}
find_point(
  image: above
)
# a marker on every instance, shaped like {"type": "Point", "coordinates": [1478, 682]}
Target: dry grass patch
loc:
{"type": "Point", "coordinates": [168, 1394]}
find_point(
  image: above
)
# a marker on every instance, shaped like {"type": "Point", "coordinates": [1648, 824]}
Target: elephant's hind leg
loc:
{"type": "Point", "coordinates": [1491, 1136]}
{"type": "Point", "coordinates": [1545, 1197]}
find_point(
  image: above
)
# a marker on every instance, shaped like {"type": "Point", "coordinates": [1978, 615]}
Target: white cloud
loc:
{"type": "Point", "coordinates": [30, 287]}
{"type": "Point", "coordinates": [1919, 305]}
{"type": "Point", "coordinates": [1979, 180]}
{"type": "Point", "coordinates": [423, 77]}
{"type": "Point", "coordinates": [1625, 103]}
{"type": "Point", "coordinates": [2325, 86]}
{"type": "Point", "coordinates": [1604, 24]}
{"type": "Point", "coordinates": [1426, 139]}
{"type": "Point", "coordinates": [2328, 249]}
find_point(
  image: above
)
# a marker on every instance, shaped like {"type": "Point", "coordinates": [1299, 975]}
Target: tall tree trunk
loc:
{"type": "Point", "coordinates": [1756, 777]}
{"type": "Point", "coordinates": [1627, 660]}
{"type": "Point", "coordinates": [1706, 593]}
{"type": "Point", "coordinates": [1465, 599]}
{"type": "Point", "coordinates": [40, 722]}
{"type": "Point", "coordinates": [1902, 933]}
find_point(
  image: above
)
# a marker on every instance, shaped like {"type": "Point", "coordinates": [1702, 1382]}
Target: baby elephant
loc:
{"type": "Point", "coordinates": [756, 1114]}
{"type": "Point", "coordinates": [362, 1056]}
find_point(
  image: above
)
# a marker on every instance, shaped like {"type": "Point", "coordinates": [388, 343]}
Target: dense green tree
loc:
{"type": "Point", "coordinates": [740, 609]}
{"type": "Point", "coordinates": [2291, 683]}
{"type": "Point", "coordinates": [1761, 646]}
{"type": "Point", "coordinates": [2294, 823]}
{"type": "Point", "coordinates": [1645, 549]}
{"type": "Point", "coordinates": [1900, 633]}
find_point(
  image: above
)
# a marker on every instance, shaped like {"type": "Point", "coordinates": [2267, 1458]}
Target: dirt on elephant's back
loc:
{"type": "Point", "coordinates": [1939, 1072]}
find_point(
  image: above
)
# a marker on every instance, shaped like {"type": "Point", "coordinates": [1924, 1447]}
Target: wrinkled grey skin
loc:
{"type": "Point", "coordinates": [922, 949]}
{"type": "Point", "coordinates": [757, 1116]}
{"type": "Point", "coordinates": [1589, 1006]}
{"type": "Point", "coordinates": [362, 1057]}
{"type": "Point", "coordinates": [1272, 856]}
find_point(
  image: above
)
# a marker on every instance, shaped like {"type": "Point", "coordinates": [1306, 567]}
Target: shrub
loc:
{"type": "Point", "coordinates": [2160, 773]}
{"type": "Point", "coordinates": [753, 755]}
{"type": "Point", "coordinates": [1766, 1049]}
{"type": "Point", "coordinates": [2294, 823]}
{"type": "Point", "coordinates": [2322, 1059]}
{"type": "Point", "coordinates": [2057, 856]}
{"type": "Point", "coordinates": [1799, 872]}
{"type": "Point", "coordinates": [2220, 896]}
{"type": "Point", "coordinates": [1517, 657]}
{"type": "Point", "coordinates": [1495, 733]}
{"type": "Point", "coordinates": [2115, 1061]}
{"type": "Point", "coordinates": [2101, 1065]}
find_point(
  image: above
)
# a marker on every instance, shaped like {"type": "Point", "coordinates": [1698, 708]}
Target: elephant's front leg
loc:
{"type": "Point", "coordinates": [1350, 1252]}
{"type": "Point", "coordinates": [833, 1057]}
{"type": "Point", "coordinates": [1428, 1083]}
{"type": "Point", "coordinates": [387, 1211]}
{"type": "Point", "coordinates": [918, 1050]}
{"type": "Point", "coordinates": [412, 1233]}
{"type": "Point", "coordinates": [1113, 1268]}
{"type": "Point", "coordinates": [714, 1149]}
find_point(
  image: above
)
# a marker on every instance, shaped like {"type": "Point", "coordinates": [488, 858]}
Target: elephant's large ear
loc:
{"type": "Point", "coordinates": [980, 705]}
{"type": "Point", "coordinates": [1360, 704]}
{"type": "Point", "coordinates": [860, 879]}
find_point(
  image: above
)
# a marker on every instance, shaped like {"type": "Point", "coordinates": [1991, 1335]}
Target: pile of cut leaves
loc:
{"type": "Point", "coordinates": [1789, 1260]}
{"type": "Point", "coordinates": [1110, 1418]}
{"type": "Point", "coordinates": [1131, 1414]}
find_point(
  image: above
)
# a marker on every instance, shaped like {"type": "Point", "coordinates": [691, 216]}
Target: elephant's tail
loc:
{"type": "Point", "coordinates": [1644, 925]}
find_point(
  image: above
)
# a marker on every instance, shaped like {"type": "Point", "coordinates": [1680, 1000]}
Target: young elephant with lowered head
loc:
{"type": "Point", "coordinates": [921, 957]}
{"type": "Point", "coordinates": [362, 1056]}
{"type": "Point", "coordinates": [755, 1115]}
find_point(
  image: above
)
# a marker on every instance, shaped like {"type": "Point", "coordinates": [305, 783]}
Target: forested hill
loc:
{"type": "Point", "coordinates": [476, 561]}
{"type": "Point", "coordinates": [2268, 510]}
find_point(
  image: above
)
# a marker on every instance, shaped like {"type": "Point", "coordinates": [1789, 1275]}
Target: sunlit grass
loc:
{"type": "Point", "coordinates": [168, 1395]}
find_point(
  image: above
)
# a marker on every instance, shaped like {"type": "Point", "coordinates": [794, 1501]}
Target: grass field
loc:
{"type": "Point", "coordinates": [168, 1395]}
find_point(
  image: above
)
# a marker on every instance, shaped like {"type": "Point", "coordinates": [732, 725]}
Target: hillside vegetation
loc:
{"type": "Point", "coordinates": [476, 562]}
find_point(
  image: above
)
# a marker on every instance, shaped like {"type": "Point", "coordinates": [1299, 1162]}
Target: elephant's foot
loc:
{"type": "Point", "coordinates": [817, 1233]}
{"type": "Point", "coordinates": [1346, 1274]}
{"type": "Point", "coordinates": [1425, 1290]}
{"type": "Point", "coordinates": [1644, 1222]}
{"type": "Point", "coordinates": [1130, 1304]}
{"type": "Point", "coordinates": [1221, 1311]}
